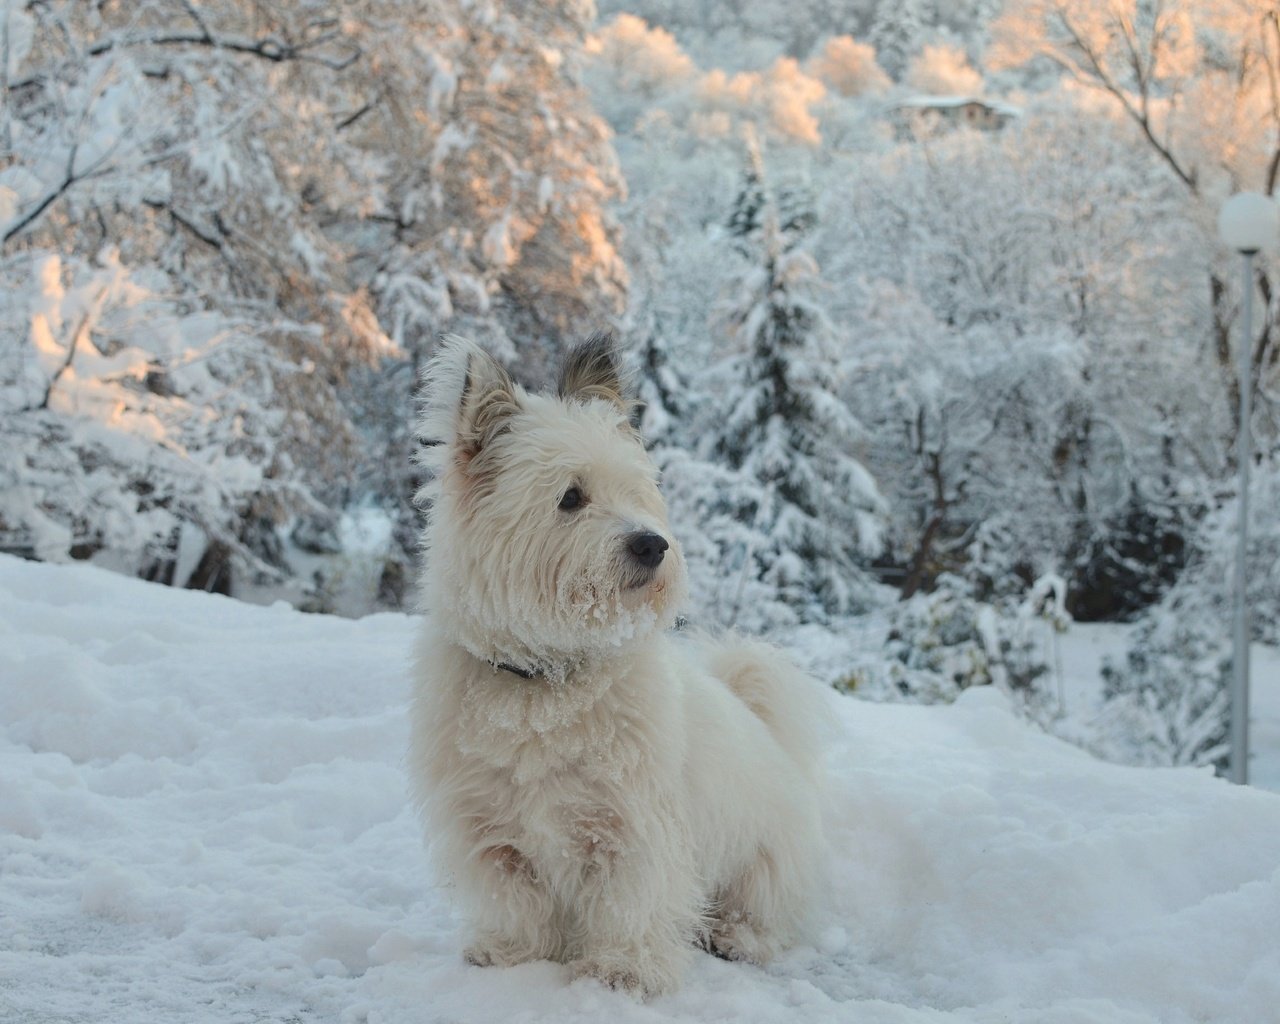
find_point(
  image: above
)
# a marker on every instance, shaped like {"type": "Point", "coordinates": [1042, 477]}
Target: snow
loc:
{"type": "Point", "coordinates": [203, 818]}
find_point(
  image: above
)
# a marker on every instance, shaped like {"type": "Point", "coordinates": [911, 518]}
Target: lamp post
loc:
{"type": "Point", "coordinates": [1247, 222]}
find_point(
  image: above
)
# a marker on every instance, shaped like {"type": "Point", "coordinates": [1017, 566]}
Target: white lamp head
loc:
{"type": "Point", "coordinates": [1249, 221]}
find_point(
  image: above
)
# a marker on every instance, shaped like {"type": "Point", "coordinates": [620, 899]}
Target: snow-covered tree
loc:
{"type": "Point", "coordinates": [177, 132]}
{"type": "Point", "coordinates": [785, 429]}
{"type": "Point", "coordinates": [1018, 376]}
{"type": "Point", "coordinates": [1196, 80]}
{"type": "Point", "coordinates": [631, 68]}
{"type": "Point", "coordinates": [898, 31]}
{"type": "Point", "coordinates": [943, 69]}
{"type": "Point", "coordinates": [175, 309]}
{"type": "Point", "coordinates": [148, 435]}
{"type": "Point", "coordinates": [488, 211]}
{"type": "Point", "coordinates": [722, 33]}
{"type": "Point", "coordinates": [675, 248]}
{"type": "Point", "coordinates": [545, 164]}
{"type": "Point", "coordinates": [330, 185]}
{"type": "Point", "coordinates": [778, 102]}
{"type": "Point", "coordinates": [848, 67]}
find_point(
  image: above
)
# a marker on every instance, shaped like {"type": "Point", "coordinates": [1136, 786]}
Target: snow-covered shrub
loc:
{"type": "Point", "coordinates": [1167, 703]}
{"type": "Point", "coordinates": [937, 644]}
{"type": "Point", "coordinates": [1210, 573]}
{"type": "Point", "coordinates": [946, 641]}
{"type": "Point", "coordinates": [159, 439]}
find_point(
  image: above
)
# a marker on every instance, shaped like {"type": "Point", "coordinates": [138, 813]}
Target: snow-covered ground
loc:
{"type": "Point", "coordinates": [203, 818]}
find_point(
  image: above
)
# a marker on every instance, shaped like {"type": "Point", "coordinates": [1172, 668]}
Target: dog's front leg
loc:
{"type": "Point", "coordinates": [513, 912]}
{"type": "Point", "coordinates": [637, 910]}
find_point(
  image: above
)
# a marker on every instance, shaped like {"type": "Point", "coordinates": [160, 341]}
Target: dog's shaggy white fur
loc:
{"type": "Point", "coordinates": [602, 793]}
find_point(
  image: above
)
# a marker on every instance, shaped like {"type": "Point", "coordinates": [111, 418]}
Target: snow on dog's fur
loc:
{"type": "Point", "coordinates": [602, 793]}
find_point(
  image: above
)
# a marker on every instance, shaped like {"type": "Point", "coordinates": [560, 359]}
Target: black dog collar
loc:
{"type": "Point", "coordinates": [514, 670]}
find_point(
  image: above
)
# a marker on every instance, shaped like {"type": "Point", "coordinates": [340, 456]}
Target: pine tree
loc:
{"type": "Point", "coordinates": [793, 204]}
{"type": "Point", "coordinates": [898, 31]}
{"type": "Point", "coordinates": [813, 503]}
{"type": "Point", "coordinates": [746, 221]}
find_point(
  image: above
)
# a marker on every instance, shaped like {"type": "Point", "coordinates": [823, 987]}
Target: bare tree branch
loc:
{"type": "Point", "coordinates": [76, 335]}
{"type": "Point", "coordinates": [203, 234]}
{"type": "Point", "coordinates": [1140, 117]}
{"type": "Point", "coordinates": [1271, 28]}
{"type": "Point", "coordinates": [267, 48]}
{"type": "Point", "coordinates": [195, 16]}
{"type": "Point", "coordinates": [352, 118]}
{"type": "Point", "coordinates": [69, 179]}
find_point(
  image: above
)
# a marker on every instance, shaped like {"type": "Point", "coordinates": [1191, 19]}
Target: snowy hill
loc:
{"type": "Point", "coordinates": [202, 818]}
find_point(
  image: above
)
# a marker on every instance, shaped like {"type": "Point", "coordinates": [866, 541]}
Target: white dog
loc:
{"type": "Point", "coordinates": [603, 793]}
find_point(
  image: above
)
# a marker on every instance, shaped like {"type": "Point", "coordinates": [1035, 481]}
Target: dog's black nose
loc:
{"type": "Point", "coordinates": [648, 548]}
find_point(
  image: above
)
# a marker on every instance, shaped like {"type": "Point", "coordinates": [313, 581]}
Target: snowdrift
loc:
{"type": "Point", "coordinates": [203, 818]}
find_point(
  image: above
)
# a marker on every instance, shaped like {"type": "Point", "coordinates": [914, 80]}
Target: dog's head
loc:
{"type": "Point", "coordinates": [548, 539]}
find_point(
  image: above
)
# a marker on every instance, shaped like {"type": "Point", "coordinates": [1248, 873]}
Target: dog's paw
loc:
{"type": "Point", "coordinates": [479, 956]}
{"type": "Point", "coordinates": [640, 978]}
{"type": "Point", "coordinates": [738, 940]}
{"type": "Point", "coordinates": [494, 952]}
{"type": "Point", "coordinates": [611, 975]}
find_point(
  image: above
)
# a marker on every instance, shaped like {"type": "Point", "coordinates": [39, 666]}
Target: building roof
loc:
{"type": "Point", "coordinates": [951, 102]}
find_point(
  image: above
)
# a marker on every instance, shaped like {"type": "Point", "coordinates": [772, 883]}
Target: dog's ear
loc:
{"type": "Point", "coordinates": [469, 398]}
{"type": "Point", "coordinates": [488, 403]}
{"type": "Point", "coordinates": [593, 369]}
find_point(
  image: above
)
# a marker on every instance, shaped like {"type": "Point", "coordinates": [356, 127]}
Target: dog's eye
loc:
{"type": "Point", "coordinates": [571, 499]}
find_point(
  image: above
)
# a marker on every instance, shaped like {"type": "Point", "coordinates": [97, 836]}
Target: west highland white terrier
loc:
{"type": "Point", "coordinates": [603, 793]}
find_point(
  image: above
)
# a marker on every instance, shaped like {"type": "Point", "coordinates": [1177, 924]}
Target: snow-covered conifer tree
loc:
{"type": "Point", "coordinates": [784, 429]}
{"type": "Point", "coordinates": [746, 221]}
{"type": "Point", "coordinates": [898, 30]}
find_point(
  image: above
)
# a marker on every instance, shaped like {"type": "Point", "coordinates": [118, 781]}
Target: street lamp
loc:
{"type": "Point", "coordinates": [1247, 222]}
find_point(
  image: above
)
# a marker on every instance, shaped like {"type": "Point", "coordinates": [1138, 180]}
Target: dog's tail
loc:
{"type": "Point", "coordinates": [777, 692]}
